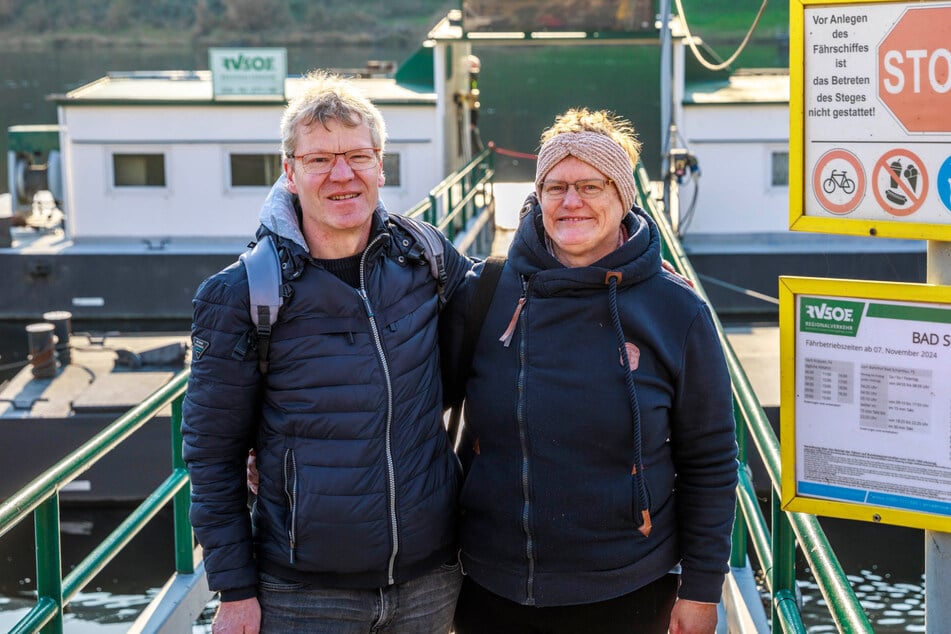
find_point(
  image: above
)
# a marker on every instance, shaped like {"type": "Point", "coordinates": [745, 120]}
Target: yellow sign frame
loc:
{"type": "Point", "coordinates": [798, 220]}
{"type": "Point", "coordinates": [790, 288]}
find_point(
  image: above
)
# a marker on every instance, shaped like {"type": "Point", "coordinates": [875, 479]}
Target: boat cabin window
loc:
{"type": "Point", "coordinates": [391, 168]}
{"type": "Point", "coordinates": [780, 169]}
{"type": "Point", "coordinates": [255, 170]}
{"type": "Point", "coordinates": [138, 170]}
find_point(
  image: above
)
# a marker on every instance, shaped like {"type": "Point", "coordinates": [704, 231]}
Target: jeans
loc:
{"type": "Point", "coordinates": [424, 605]}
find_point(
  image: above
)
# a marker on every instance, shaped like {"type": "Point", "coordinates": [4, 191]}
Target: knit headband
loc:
{"type": "Point", "coordinates": [596, 149]}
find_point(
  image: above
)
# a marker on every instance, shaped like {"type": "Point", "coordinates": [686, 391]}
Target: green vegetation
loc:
{"type": "Point", "coordinates": [25, 23]}
{"type": "Point", "coordinates": [707, 18]}
{"type": "Point", "coordinates": [722, 25]}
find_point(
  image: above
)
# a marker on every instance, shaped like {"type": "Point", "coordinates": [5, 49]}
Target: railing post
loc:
{"type": "Point", "coordinates": [431, 212]}
{"type": "Point", "coordinates": [938, 543]}
{"type": "Point", "coordinates": [184, 538]}
{"type": "Point", "coordinates": [784, 562]}
{"type": "Point", "coordinates": [450, 205]}
{"type": "Point", "coordinates": [464, 212]}
{"type": "Point", "coordinates": [739, 535]}
{"type": "Point", "coordinates": [49, 566]}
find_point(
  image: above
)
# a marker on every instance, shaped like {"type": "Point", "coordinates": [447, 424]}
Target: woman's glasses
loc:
{"type": "Point", "coordinates": [587, 188]}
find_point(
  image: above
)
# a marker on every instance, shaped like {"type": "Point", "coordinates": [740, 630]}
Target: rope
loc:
{"type": "Point", "coordinates": [512, 153]}
{"type": "Point", "coordinates": [638, 484]}
{"type": "Point", "coordinates": [10, 366]}
{"type": "Point", "coordinates": [739, 289]}
{"type": "Point", "coordinates": [732, 58]}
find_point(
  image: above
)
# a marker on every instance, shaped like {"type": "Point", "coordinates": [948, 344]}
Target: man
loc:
{"type": "Point", "coordinates": [353, 525]}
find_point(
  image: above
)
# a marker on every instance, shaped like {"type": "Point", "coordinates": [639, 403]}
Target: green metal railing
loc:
{"type": "Point", "coordinates": [455, 206]}
{"type": "Point", "coordinates": [41, 498]}
{"type": "Point", "coordinates": [776, 551]}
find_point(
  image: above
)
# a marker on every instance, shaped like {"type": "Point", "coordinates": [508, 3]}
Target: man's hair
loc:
{"type": "Point", "coordinates": [329, 97]}
{"type": "Point", "coordinates": [620, 130]}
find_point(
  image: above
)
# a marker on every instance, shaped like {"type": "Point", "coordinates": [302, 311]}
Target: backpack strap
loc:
{"type": "Point", "coordinates": [263, 266]}
{"type": "Point", "coordinates": [471, 329]}
{"type": "Point", "coordinates": [430, 241]}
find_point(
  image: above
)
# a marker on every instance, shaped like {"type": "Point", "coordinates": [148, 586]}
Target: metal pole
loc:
{"type": "Point", "coordinates": [938, 545]}
{"type": "Point", "coordinates": [666, 98]}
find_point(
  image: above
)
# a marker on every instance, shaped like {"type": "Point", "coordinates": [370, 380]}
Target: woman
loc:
{"type": "Point", "coordinates": [599, 437]}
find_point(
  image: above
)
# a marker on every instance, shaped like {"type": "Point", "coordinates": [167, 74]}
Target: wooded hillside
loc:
{"type": "Point", "coordinates": [218, 21]}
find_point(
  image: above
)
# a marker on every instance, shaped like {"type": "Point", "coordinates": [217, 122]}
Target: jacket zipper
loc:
{"type": "Point", "coordinates": [290, 490]}
{"type": "Point", "coordinates": [523, 440]}
{"type": "Point", "coordinates": [390, 466]}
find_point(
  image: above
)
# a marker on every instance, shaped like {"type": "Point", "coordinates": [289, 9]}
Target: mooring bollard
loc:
{"type": "Point", "coordinates": [42, 351]}
{"type": "Point", "coordinates": [62, 328]}
{"type": "Point", "coordinates": [6, 238]}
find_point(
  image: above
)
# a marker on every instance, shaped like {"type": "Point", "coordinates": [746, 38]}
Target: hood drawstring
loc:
{"type": "Point", "coordinates": [638, 483]}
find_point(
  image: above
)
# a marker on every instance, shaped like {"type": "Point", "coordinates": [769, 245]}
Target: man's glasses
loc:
{"type": "Point", "coordinates": [322, 162]}
{"type": "Point", "coordinates": [587, 188]}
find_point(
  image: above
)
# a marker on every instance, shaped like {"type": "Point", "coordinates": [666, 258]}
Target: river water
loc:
{"type": "Point", "coordinates": [884, 563]}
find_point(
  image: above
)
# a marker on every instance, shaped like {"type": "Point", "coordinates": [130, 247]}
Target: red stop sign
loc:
{"type": "Point", "coordinates": [914, 70]}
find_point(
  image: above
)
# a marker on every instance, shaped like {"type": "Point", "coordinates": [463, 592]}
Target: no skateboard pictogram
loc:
{"type": "Point", "coordinates": [900, 182]}
{"type": "Point", "coordinates": [838, 181]}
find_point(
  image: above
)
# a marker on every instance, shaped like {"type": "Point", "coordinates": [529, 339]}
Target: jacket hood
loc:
{"type": "Point", "coordinates": [279, 214]}
{"type": "Point", "coordinates": [637, 259]}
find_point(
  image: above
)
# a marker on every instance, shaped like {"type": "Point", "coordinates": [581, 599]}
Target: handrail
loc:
{"type": "Point", "coordinates": [775, 552]}
{"type": "Point", "coordinates": [41, 497]}
{"type": "Point", "coordinates": [456, 201]}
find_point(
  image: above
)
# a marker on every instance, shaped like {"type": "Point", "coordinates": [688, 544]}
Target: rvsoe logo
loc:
{"type": "Point", "coordinates": [830, 316]}
{"type": "Point", "coordinates": [242, 72]}
{"type": "Point", "coordinates": [249, 63]}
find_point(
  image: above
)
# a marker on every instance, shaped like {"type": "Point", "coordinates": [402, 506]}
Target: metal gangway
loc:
{"type": "Point", "coordinates": [463, 206]}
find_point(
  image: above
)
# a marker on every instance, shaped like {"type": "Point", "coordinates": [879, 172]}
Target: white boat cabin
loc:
{"type": "Point", "coordinates": [157, 156]}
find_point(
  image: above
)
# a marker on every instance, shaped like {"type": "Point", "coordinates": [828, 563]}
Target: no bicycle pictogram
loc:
{"type": "Point", "coordinates": [900, 182]}
{"type": "Point", "coordinates": [838, 181]}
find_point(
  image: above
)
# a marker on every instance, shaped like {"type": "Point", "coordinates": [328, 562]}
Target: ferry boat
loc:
{"type": "Point", "coordinates": [156, 178]}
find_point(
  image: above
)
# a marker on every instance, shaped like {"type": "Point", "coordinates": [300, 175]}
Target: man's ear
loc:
{"type": "Point", "coordinates": [289, 172]}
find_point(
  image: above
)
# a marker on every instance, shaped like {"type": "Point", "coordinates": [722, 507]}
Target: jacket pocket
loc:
{"type": "Point", "coordinates": [290, 492]}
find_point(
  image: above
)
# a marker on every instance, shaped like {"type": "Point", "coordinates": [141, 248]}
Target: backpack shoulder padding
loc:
{"type": "Point", "coordinates": [431, 242]}
{"type": "Point", "coordinates": [264, 288]}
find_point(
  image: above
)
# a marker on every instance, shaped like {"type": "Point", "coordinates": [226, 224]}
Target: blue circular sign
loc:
{"type": "Point", "coordinates": [944, 183]}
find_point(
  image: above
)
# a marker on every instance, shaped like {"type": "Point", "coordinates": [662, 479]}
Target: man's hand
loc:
{"type": "Point", "coordinates": [691, 617]}
{"type": "Point", "coordinates": [238, 617]}
{"type": "Point", "coordinates": [253, 475]}
{"type": "Point", "coordinates": [667, 266]}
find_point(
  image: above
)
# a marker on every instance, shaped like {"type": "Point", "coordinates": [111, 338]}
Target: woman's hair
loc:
{"type": "Point", "coordinates": [329, 97]}
{"type": "Point", "coordinates": [620, 130]}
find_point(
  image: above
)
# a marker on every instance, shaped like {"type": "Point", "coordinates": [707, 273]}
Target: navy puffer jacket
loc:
{"type": "Point", "coordinates": [358, 482]}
